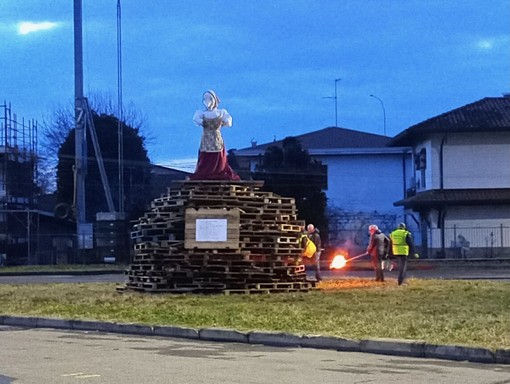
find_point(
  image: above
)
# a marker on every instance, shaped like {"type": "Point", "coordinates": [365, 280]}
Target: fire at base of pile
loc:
{"type": "Point", "coordinates": [218, 237]}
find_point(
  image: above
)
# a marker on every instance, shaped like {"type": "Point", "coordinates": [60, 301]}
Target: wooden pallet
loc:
{"type": "Point", "coordinates": [263, 259]}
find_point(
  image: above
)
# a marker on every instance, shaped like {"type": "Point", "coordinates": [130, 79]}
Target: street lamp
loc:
{"type": "Point", "coordinates": [384, 111]}
{"type": "Point", "coordinates": [336, 102]}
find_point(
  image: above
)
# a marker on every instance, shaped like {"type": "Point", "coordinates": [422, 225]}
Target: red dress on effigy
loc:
{"type": "Point", "coordinates": [213, 166]}
{"type": "Point", "coordinates": [212, 158]}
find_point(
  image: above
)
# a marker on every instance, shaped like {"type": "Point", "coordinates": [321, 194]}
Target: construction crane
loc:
{"type": "Point", "coordinates": [83, 124]}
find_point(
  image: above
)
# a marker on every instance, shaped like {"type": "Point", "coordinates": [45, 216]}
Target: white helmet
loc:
{"type": "Point", "coordinates": [373, 228]}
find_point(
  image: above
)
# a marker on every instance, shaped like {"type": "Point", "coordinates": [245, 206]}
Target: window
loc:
{"type": "Point", "coordinates": [420, 159]}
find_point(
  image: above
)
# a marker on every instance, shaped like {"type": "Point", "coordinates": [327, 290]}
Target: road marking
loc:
{"type": "Point", "coordinates": [80, 375]}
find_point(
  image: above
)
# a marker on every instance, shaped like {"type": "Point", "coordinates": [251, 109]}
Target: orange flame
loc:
{"type": "Point", "coordinates": [338, 262]}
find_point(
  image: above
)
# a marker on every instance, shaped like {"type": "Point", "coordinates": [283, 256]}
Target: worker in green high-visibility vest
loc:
{"type": "Point", "coordinates": [402, 245]}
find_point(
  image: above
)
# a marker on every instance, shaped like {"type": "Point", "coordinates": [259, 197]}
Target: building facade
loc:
{"type": "Point", "coordinates": [364, 178]}
{"type": "Point", "coordinates": [459, 189]}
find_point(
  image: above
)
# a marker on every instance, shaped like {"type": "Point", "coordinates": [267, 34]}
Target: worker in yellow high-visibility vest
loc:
{"type": "Point", "coordinates": [402, 245]}
{"type": "Point", "coordinates": [315, 237]}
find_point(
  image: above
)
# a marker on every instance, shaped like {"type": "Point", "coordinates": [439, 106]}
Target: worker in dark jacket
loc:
{"type": "Point", "coordinates": [377, 247]}
{"type": "Point", "coordinates": [402, 245]}
{"type": "Point", "coordinates": [314, 235]}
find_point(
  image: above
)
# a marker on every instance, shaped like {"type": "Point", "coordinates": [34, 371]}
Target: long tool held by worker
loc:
{"type": "Point", "coordinates": [339, 261]}
{"type": "Point", "coordinates": [357, 257]}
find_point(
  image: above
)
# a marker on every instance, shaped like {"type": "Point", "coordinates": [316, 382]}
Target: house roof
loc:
{"type": "Point", "coordinates": [485, 115]}
{"type": "Point", "coordinates": [439, 197]}
{"type": "Point", "coordinates": [327, 138]}
{"type": "Point", "coordinates": [158, 169]}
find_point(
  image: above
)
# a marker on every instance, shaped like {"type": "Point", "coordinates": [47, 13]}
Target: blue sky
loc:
{"type": "Point", "coordinates": [272, 63]}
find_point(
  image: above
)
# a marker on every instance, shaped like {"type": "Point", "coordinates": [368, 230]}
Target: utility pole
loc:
{"type": "Point", "coordinates": [120, 134]}
{"type": "Point", "coordinates": [336, 101]}
{"type": "Point", "coordinates": [84, 120]}
{"type": "Point", "coordinates": [83, 230]}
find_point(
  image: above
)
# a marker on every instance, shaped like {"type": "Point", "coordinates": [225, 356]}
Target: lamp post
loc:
{"type": "Point", "coordinates": [384, 111]}
{"type": "Point", "coordinates": [336, 101]}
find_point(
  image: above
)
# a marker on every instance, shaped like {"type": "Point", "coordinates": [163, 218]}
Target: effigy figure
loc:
{"type": "Point", "coordinates": [212, 157]}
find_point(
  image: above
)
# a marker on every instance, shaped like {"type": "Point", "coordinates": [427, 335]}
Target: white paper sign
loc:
{"type": "Point", "coordinates": [211, 230]}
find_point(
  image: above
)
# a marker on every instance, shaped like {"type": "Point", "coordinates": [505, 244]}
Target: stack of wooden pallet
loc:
{"type": "Point", "coordinates": [260, 254]}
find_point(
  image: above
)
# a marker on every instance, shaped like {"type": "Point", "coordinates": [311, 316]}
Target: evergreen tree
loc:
{"type": "Point", "coordinates": [136, 169]}
{"type": "Point", "coordinates": [290, 172]}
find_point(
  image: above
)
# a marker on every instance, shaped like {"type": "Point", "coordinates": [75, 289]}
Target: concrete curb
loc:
{"type": "Point", "coordinates": [397, 347]}
{"type": "Point", "coordinates": [220, 334]}
{"type": "Point", "coordinates": [179, 332]}
{"type": "Point", "coordinates": [394, 347]}
{"type": "Point", "coordinates": [456, 352]}
{"type": "Point", "coordinates": [277, 339]}
{"type": "Point", "coordinates": [329, 342]}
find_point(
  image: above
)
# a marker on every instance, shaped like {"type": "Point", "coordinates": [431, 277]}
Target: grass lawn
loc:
{"type": "Point", "coordinates": [474, 313]}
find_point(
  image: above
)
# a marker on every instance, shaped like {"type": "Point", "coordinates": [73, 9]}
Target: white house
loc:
{"type": "Point", "coordinates": [364, 178]}
{"type": "Point", "coordinates": [459, 189]}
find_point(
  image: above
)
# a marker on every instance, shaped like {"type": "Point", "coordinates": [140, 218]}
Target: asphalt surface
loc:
{"type": "Point", "coordinates": [62, 278]}
{"type": "Point", "coordinates": [35, 356]}
{"type": "Point", "coordinates": [464, 271]}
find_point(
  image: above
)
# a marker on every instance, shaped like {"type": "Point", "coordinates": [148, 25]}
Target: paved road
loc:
{"type": "Point", "coordinates": [41, 279]}
{"type": "Point", "coordinates": [55, 356]}
{"type": "Point", "coordinates": [500, 274]}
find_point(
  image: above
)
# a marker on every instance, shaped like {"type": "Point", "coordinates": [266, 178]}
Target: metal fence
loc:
{"type": "Point", "coordinates": [450, 242]}
{"type": "Point", "coordinates": [57, 248]}
{"type": "Point", "coordinates": [39, 249]}
{"type": "Point", "coordinates": [470, 242]}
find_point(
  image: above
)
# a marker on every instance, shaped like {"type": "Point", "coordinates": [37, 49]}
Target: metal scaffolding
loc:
{"type": "Point", "coordinates": [18, 183]}
{"type": "Point", "coordinates": [18, 155]}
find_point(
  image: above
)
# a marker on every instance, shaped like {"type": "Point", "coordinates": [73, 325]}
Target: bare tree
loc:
{"type": "Point", "coordinates": [55, 130]}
